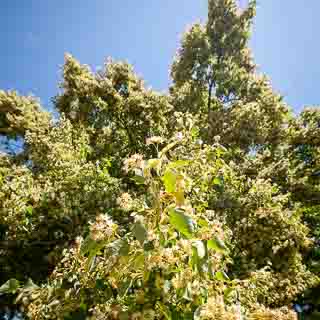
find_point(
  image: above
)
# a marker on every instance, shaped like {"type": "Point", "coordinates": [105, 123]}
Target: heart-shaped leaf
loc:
{"type": "Point", "coordinates": [181, 222]}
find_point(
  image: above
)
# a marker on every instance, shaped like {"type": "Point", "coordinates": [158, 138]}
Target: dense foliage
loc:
{"type": "Point", "coordinates": [203, 203]}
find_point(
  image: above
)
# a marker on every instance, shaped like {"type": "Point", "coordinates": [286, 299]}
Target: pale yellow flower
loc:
{"type": "Point", "coordinates": [102, 228]}
{"type": "Point", "coordinates": [154, 140]}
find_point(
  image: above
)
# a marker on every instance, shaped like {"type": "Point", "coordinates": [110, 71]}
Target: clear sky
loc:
{"type": "Point", "coordinates": [35, 34]}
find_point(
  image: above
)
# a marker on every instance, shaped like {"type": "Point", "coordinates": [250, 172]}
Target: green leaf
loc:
{"type": "Point", "coordinates": [124, 287]}
{"type": "Point", "coordinates": [181, 222]}
{"type": "Point", "coordinates": [100, 285]}
{"type": "Point", "coordinates": [146, 276]}
{"type": "Point", "coordinates": [117, 247]}
{"type": "Point", "coordinates": [11, 286]}
{"type": "Point", "coordinates": [87, 245]}
{"type": "Point", "coordinates": [138, 179]}
{"type": "Point", "coordinates": [203, 223]}
{"type": "Point", "coordinates": [222, 276]}
{"type": "Point", "coordinates": [30, 285]}
{"type": "Point", "coordinates": [29, 210]}
{"type": "Point", "coordinates": [228, 293]}
{"type": "Point", "coordinates": [178, 164]}
{"type": "Point", "coordinates": [220, 150]}
{"type": "Point", "coordinates": [217, 245]}
{"type": "Point", "coordinates": [194, 261]}
{"type": "Point", "coordinates": [217, 181]}
{"type": "Point", "coordinates": [105, 287]}
{"type": "Point", "coordinates": [139, 232]}
{"type": "Point", "coordinates": [170, 178]}
{"type": "Point", "coordinates": [155, 164]}
{"type": "Point", "coordinates": [179, 198]}
{"type": "Point", "coordinates": [195, 132]}
{"type": "Point", "coordinates": [139, 261]}
{"type": "Point", "coordinates": [124, 249]}
{"type": "Point", "coordinates": [201, 249]}
{"type": "Point", "coordinates": [92, 248]}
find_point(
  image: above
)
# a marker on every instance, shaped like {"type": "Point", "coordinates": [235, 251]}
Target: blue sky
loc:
{"type": "Point", "coordinates": [35, 34]}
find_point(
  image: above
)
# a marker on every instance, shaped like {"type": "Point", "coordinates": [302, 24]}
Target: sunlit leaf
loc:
{"type": "Point", "coordinates": [181, 222]}
{"type": "Point", "coordinates": [169, 179]}
{"type": "Point", "coordinates": [217, 181]}
{"type": "Point", "coordinates": [201, 249]}
{"type": "Point", "coordinates": [87, 245]}
{"type": "Point", "coordinates": [11, 286]}
{"type": "Point", "coordinates": [228, 293]}
{"type": "Point", "coordinates": [202, 222]}
{"type": "Point", "coordinates": [29, 210]}
{"type": "Point", "coordinates": [179, 164]}
{"type": "Point", "coordinates": [179, 198]}
{"type": "Point", "coordinates": [155, 164]}
{"type": "Point", "coordinates": [222, 276]}
{"type": "Point", "coordinates": [217, 245]}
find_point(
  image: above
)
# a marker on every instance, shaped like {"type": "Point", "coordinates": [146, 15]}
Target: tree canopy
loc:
{"type": "Point", "coordinates": [199, 203]}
